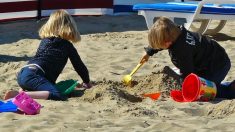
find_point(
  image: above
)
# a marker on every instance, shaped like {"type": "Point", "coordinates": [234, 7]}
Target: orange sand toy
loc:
{"type": "Point", "coordinates": [153, 96]}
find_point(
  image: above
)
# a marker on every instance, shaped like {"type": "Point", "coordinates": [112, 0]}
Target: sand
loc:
{"type": "Point", "coordinates": [111, 47]}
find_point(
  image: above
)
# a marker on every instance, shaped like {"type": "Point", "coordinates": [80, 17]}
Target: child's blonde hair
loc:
{"type": "Point", "coordinates": [60, 24]}
{"type": "Point", "coordinates": [163, 30]}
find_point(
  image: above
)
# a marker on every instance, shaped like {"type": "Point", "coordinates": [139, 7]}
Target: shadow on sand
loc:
{"type": "Point", "coordinates": [222, 37]}
{"type": "Point", "coordinates": [28, 29]}
{"type": "Point", "coordinates": [8, 58]}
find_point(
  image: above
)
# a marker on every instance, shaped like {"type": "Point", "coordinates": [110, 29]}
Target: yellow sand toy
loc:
{"type": "Point", "coordinates": [127, 78]}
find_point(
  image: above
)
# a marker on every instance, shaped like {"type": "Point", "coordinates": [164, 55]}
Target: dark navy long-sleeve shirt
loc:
{"type": "Point", "coordinates": [194, 53]}
{"type": "Point", "coordinates": [52, 56]}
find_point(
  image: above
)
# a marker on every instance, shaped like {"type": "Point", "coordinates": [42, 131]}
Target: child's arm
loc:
{"type": "Point", "coordinates": [149, 52]}
{"type": "Point", "coordinates": [78, 64]}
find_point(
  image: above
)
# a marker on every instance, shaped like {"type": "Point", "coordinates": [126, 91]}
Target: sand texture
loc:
{"type": "Point", "coordinates": [111, 47]}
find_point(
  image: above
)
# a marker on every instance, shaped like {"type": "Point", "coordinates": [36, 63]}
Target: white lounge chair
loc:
{"type": "Point", "coordinates": [204, 11]}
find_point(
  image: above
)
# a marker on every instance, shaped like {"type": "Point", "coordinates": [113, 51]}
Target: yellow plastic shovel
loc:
{"type": "Point", "coordinates": [127, 78]}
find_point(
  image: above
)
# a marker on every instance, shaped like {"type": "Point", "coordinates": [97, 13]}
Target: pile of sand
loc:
{"type": "Point", "coordinates": [118, 95]}
{"type": "Point", "coordinates": [129, 100]}
{"type": "Point", "coordinates": [162, 81]}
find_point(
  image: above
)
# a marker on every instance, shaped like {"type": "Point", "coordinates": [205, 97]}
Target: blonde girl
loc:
{"type": "Point", "coordinates": [39, 76]}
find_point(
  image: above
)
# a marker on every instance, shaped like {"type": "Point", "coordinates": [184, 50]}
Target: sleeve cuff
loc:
{"type": "Point", "coordinates": [150, 51]}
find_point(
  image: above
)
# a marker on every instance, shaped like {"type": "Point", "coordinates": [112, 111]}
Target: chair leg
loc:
{"type": "Point", "coordinates": [202, 27]}
{"type": "Point", "coordinates": [148, 18]}
{"type": "Point", "coordinates": [149, 21]}
{"type": "Point", "coordinates": [217, 28]}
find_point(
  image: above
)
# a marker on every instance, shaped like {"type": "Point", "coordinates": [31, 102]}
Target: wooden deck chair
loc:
{"type": "Point", "coordinates": [204, 11]}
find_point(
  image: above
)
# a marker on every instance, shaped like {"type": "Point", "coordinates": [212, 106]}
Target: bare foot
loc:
{"type": "Point", "coordinates": [10, 94]}
{"type": "Point", "coordinates": [20, 90]}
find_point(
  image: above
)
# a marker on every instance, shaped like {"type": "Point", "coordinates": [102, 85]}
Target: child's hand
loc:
{"type": "Point", "coordinates": [86, 85]}
{"type": "Point", "coordinates": [83, 86]}
{"type": "Point", "coordinates": [145, 58]}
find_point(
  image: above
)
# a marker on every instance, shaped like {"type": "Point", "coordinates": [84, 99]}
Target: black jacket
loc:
{"type": "Point", "coordinates": [52, 55]}
{"type": "Point", "coordinates": [195, 53]}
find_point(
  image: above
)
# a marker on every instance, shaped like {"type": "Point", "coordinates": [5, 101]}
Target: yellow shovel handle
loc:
{"type": "Point", "coordinates": [136, 68]}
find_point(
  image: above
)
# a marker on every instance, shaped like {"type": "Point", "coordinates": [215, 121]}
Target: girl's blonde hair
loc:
{"type": "Point", "coordinates": [163, 30]}
{"type": "Point", "coordinates": [60, 24]}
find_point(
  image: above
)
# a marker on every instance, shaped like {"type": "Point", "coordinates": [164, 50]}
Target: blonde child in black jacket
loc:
{"type": "Point", "coordinates": [191, 53]}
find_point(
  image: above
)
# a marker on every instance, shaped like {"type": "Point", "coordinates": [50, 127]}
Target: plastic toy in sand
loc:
{"type": "Point", "coordinates": [67, 86]}
{"type": "Point", "coordinates": [127, 79]}
{"type": "Point", "coordinates": [26, 104]}
{"type": "Point", "coordinates": [195, 88]}
{"type": "Point", "coordinates": [153, 96]}
{"type": "Point", "coordinates": [8, 106]}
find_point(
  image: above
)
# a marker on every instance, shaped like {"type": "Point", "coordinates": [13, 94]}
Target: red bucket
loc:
{"type": "Point", "coordinates": [196, 88]}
